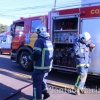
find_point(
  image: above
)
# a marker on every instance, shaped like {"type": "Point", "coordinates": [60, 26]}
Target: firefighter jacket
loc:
{"type": "Point", "coordinates": [42, 54]}
{"type": "Point", "coordinates": [82, 56]}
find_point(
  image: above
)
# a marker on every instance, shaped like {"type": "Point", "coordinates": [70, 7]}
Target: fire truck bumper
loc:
{"type": "Point", "coordinates": [13, 57]}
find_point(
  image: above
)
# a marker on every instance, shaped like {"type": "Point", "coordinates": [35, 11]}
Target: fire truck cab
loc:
{"type": "Point", "coordinates": [24, 36]}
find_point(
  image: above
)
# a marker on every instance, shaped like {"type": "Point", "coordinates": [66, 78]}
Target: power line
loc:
{"type": "Point", "coordinates": [36, 7]}
{"type": "Point", "coordinates": [86, 4]}
{"type": "Point", "coordinates": [26, 8]}
{"type": "Point", "coordinates": [40, 7]}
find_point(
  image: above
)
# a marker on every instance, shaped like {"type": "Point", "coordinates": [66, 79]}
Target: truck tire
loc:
{"type": "Point", "coordinates": [29, 66]}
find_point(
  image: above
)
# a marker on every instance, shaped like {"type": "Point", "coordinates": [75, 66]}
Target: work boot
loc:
{"type": "Point", "coordinates": [46, 95]}
{"type": "Point", "coordinates": [77, 91]}
{"type": "Point", "coordinates": [82, 90]}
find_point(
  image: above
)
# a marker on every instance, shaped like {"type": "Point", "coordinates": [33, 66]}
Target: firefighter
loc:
{"type": "Point", "coordinates": [42, 57]}
{"type": "Point", "coordinates": [82, 48]}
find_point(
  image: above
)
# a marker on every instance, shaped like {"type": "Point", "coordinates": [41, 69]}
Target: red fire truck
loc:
{"type": "Point", "coordinates": [64, 27]}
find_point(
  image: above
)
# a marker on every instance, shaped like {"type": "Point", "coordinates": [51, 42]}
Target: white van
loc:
{"type": "Point", "coordinates": [5, 44]}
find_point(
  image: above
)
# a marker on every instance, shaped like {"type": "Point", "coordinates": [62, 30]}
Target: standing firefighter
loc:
{"type": "Point", "coordinates": [82, 49]}
{"type": "Point", "coordinates": [42, 57]}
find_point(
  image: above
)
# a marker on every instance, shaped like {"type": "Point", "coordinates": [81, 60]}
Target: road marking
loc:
{"type": "Point", "coordinates": [22, 98]}
{"type": "Point", "coordinates": [17, 74]}
{"type": "Point", "coordinates": [23, 75]}
{"type": "Point", "coordinates": [62, 85]}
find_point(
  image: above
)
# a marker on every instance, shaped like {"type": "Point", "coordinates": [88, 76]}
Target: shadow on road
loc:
{"type": "Point", "coordinates": [8, 93]}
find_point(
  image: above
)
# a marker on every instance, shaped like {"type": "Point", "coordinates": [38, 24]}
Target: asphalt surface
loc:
{"type": "Point", "coordinates": [16, 84]}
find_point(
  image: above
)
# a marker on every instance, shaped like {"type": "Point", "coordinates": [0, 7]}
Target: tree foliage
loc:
{"type": "Point", "coordinates": [3, 28]}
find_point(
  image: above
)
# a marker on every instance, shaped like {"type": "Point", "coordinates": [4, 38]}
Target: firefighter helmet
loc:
{"type": "Point", "coordinates": [41, 31]}
{"type": "Point", "coordinates": [85, 36]}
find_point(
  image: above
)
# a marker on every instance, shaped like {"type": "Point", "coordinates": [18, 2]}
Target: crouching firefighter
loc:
{"type": "Point", "coordinates": [82, 48]}
{"type": "Point", "coordinates": [42, 57]}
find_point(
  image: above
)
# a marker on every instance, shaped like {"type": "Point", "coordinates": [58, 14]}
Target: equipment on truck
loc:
{"type": "Point", "coordinates": [65, 27]}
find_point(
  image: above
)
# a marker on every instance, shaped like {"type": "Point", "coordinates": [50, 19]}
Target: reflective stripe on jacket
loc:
{"type": "Point", "coordinates": [81, 65]}
{"type": "Point", "coordinates": [43, 52]}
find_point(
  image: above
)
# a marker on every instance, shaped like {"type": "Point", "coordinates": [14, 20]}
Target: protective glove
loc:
{"type": "Point", "coordinates": [91, 46]}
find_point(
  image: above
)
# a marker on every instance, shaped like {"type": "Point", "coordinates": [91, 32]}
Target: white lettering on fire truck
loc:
{"type": "Point", "coordinates": [95, 11]}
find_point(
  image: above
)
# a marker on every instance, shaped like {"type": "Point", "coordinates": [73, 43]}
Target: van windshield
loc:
{"type": "Point", "coordinates": [4, 39]}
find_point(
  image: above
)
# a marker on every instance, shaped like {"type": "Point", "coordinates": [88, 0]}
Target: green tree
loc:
{"type": "Point", "coordinates": [3, 28]}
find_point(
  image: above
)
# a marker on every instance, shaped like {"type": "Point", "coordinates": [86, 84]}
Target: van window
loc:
{"type": "Point", "coordinates": [4, 39]}
{"type": "Point", "coordinates": [35, 24]}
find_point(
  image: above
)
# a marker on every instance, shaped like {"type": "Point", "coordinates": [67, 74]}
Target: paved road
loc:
{"type": "Point", "coordinates": [15, 81]}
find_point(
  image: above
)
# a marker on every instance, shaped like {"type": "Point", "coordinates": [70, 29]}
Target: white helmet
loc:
{"type": "Point", "coordinates": [41, 30]}
{"type": "Point", "coordinates": [86, 36]}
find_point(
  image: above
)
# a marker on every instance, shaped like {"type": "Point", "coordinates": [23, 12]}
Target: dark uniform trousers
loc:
{"type": "Point", "coordinates": [39, 84]}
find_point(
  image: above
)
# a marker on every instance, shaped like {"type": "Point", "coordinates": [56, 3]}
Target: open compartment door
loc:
{"type": "Point", "coordinates": [93, 27]}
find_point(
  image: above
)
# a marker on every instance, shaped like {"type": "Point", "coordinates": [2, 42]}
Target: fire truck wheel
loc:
{"type": "Point", "coordinates": [24, 63]}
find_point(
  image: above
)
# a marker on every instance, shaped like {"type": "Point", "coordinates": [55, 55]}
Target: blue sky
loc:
{"type": "Point", "coordinates": [11, 10]}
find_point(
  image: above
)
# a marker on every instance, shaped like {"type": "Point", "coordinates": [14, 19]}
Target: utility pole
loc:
{"type": "Point", "coordinates": [55, 4]}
